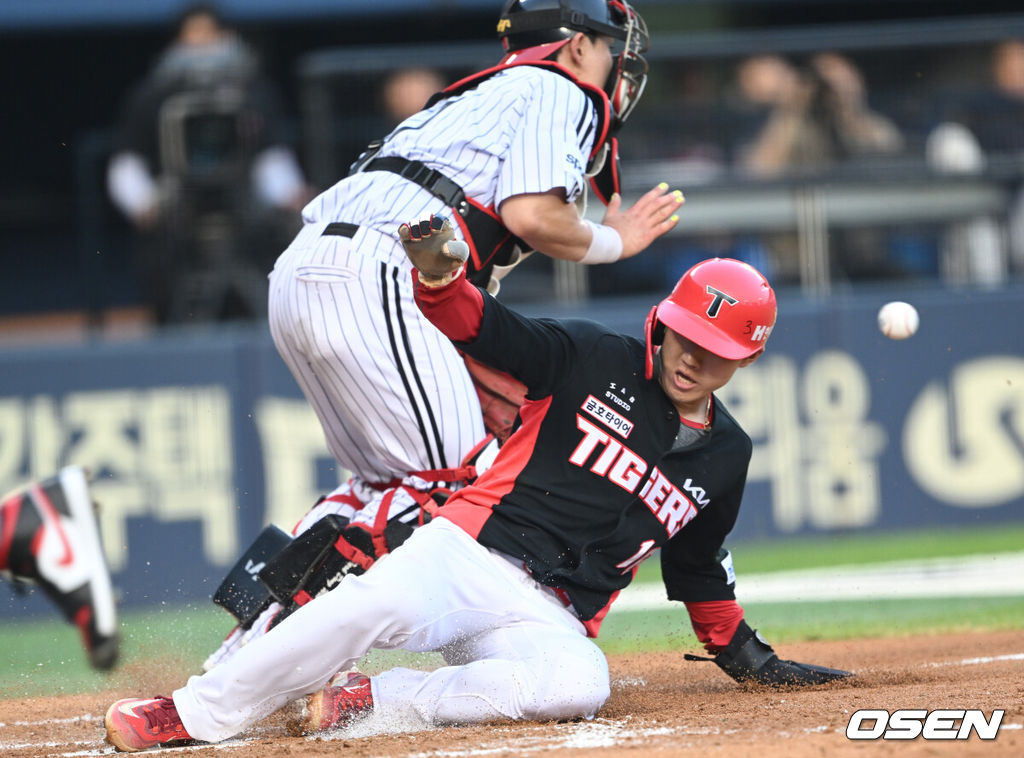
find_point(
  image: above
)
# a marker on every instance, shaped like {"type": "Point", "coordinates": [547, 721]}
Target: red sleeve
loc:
{"type": "Point", "coordinates": [456, 309]}
{"type": "Point", "coordinates": [715, 622]}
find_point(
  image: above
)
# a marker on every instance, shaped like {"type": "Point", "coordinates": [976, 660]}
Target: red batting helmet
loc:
{"type": "Point", "coordinates": [725, 306]}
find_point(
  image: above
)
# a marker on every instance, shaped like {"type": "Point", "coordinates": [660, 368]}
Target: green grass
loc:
{"type": "Point", "coordinates": [796, 622]}
{"type": "Point", "coordinates": [891, 546]}
{"type": "Point", "coordinates": [44, 656]}
{"type": "Point", "coordinates": [847, 549]}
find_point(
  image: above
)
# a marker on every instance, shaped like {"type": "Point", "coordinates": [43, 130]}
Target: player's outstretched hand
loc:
{"type": "Point", "coordinates": [647, 219]}
{"type": "Point", "coordinates": [749, 658]}
{"type": "Point", "coordinates": [432, 248]}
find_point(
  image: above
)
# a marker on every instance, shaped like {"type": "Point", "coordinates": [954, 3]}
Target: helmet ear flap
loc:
{"type": "Point", "coordinates": [650, 326]}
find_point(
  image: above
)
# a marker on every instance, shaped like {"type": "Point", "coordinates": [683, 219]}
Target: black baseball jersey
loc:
{"type": "Point", "coordinates": [588, 486]}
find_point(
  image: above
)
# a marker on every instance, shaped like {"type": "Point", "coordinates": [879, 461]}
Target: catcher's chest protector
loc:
{"type": "Point", "coordinates": [494, 250]}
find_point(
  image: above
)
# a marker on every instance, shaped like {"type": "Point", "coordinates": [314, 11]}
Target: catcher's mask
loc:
{"type": "Point", "coordinates": [537, 29]}
{"type": "Point", "coordinates": [725, 306]}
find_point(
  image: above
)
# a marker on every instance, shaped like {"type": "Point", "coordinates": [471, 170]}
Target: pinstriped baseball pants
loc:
{"type": "Point", "coordinates": [390, 391]}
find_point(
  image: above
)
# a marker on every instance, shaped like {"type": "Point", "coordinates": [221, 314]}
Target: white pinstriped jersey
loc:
{"type": "Point", "coordinates": [523, 130]}
{"type": "Point", "coordinates": [391, 393]}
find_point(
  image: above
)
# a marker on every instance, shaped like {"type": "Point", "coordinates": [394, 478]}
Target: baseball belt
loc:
{"type": "Point", "coordinates": [340, 229]}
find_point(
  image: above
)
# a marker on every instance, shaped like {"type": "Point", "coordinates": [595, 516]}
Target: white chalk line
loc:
{"type": "Point", "coordinates": [599, 733]}
{"type": "Point", "coordinates": [21, 745]}
{"type": "Point", "coordinates": [592, 734]}
{"type": "Point", "coordinates": [977, 661]}
{"type": "Point", "coordinates": [995, 575]}
{"type": "Point", "coordinates": [109, 749]}
{"type": "Point", "coordinates": [71, 720]}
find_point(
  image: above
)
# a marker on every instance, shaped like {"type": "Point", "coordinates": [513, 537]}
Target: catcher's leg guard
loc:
{"type": "Point", "coordinates": [263, 589]}
{"type": "Point", "coordinates": [241, 593]}
{"type": "Point", "coordinates": [316, 561]}
{"type": "Point", "coordinates": [49, 537]}
{"type": "Point", "coordinates": [244, 595]}
{"type": "Point", "coordinates": [327, 548]}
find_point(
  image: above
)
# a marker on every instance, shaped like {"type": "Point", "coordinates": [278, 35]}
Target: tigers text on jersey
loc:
{"type": "Point", "coordinates": [590, 484]}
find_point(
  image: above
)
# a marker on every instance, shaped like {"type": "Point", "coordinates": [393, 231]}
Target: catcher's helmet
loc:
{"type": "Point", "coordinates": [725, 306]}
{"type": "Point", "coordinates": [536, 29]}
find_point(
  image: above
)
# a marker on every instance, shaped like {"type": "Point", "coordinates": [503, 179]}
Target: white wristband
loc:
{"type": "Point", "coordinates": [605, 246]}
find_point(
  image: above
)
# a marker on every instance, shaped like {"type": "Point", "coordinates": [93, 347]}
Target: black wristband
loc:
{"type": "Point", "coordinates": [745, 655]}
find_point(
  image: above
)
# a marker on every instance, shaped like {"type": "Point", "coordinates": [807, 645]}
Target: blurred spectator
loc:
{"type": "Point", "coordinates": [1003, 129]}
{"type": "Point", "coordinates": [775, 132]}
{"type": "Point", "coordinates": [797, 120]}
{"type": "Point", "coordinates": [407, 90]}
{"type": "Point", "coordinates": [995, 114]}
{"type": "Point", "coordinates": [202, 169]}
{"type": "Point", "coordinates": [809, 118]}
{"type": "Point", "coordinates": [983, 126]}
{"type": "Point", "coordinates": [373, 103]}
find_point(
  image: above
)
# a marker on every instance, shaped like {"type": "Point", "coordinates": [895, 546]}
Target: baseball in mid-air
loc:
{"type": "Point", "coordinates": [898, 320]}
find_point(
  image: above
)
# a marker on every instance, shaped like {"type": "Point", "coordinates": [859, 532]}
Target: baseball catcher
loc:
{"type": "Point", "coordinates": [509, 156]}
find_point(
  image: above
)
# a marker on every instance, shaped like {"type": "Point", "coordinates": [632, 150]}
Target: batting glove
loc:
{"type": "Point", "coordinates": [432, 248]}
{"type": "Point", "coordinates": [749, 658]}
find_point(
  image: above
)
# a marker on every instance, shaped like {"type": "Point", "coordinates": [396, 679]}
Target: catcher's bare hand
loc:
{"type": "Point", "coordinates": [647, 219]}
{"type": "Point", "coordinates": [432, 248]}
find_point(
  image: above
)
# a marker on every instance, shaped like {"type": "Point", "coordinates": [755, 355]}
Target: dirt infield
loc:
{"type": "Point", "coordinates": [661, 705]}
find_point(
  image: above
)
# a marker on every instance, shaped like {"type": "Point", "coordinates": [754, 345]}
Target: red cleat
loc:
{"type": "Point", "coordinates": [138, 723]}
{"type": "Point", "coordinates": [337, 706]}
